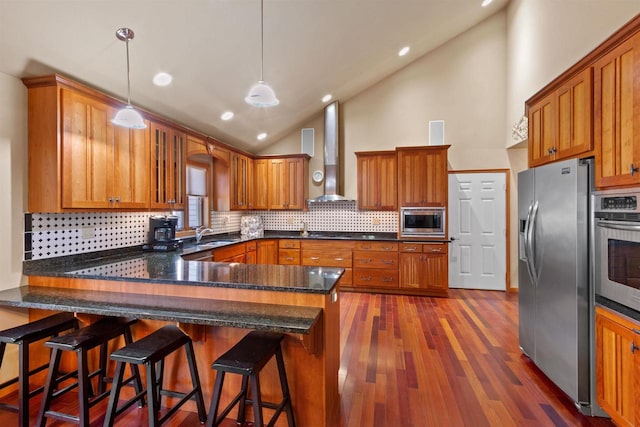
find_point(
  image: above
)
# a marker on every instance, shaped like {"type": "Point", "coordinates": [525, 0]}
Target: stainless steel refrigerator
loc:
{"type": "Point", "coordinates": [555, 292]}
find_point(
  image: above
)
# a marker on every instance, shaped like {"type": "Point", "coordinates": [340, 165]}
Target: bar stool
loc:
{"type": "Point", "coordinates": [80, 342]}
{"type": "Point", "coordinates": [24, 336]}
{"type": "Point", "coordinates": [247, 358]}
{"type": "Point", "coordinates": [151, 352]}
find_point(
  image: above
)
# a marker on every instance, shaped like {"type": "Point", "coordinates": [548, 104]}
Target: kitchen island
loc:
{"type": "Point", "coordinates": [216, 304]}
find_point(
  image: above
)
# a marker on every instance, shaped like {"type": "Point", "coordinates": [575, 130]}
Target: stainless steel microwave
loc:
{"type": "Point", "coordinates": [422, 222]}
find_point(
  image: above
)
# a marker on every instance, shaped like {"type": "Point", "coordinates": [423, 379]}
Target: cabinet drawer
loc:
{"type": "Point", "coordinates": [326, 258]}
{"type": "Point", "coordinates": [289, 257]}
{"type": "Point", "coordinates": [289, 244]}
{"type": "Point", "coordinates": [364, 259]}
{"type": "Point", "coordinates": [441, 248]}
{"type": "Point", "coordinates": [377, 246]}
{"type": "Point", "coordinates": [252, 246]}
{"type": "Point", "coordinates": [410, 247]}
{"type": "Point", "coordinates": [376, 278]}
{"type": "Point", "coordinates": [228, 252]}
{"type": "Point", "coordinates": [323, 245]}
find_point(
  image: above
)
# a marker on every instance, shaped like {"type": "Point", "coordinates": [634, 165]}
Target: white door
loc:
{"type": "Point", "coordinates": [477, 228]}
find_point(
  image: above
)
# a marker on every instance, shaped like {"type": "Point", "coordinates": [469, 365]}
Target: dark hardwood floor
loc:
{"type": "Point", "coordinates": [416, 361]}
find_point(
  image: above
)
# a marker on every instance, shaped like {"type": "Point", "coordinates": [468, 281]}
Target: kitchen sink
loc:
{"type": "Point", "coordinates": [216, 243]}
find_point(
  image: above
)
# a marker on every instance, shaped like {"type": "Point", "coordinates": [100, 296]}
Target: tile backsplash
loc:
{"type": "Point", "coordinates": [49, 235]}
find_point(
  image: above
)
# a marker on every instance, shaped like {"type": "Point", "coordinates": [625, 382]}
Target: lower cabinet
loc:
{"type": "Point", "coordinates": [329, 253]}
{"type": "Point", "coordinates": [251, 256]}
{"type": "Point", "coordinates": [617, 364]}
{"type": "Point", "coordinates": [425, 268]}
{"type": "Point", "coordinates": [231, 253]}
{"type": "Point", "coordinates": [375, 265]}
{"type": "Point", "coordinates": [289, 252]}
{"type": "Point", "coordinates": [267, 252]}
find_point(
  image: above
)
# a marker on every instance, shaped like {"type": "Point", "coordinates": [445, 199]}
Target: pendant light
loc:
{"type": "Point", "coordinates": [261, 94]}
{"type": "Point", "coordinates": [128, 117]}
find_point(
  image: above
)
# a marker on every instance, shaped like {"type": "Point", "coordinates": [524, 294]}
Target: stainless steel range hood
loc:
{"type": "Point", "coordinates": [331, 156]}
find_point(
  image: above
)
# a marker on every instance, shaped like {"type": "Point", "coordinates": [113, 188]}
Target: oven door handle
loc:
{"type": "Point", "coordinates": [618, 226]}
{"type": "Point", "coordinates": [530, 243]}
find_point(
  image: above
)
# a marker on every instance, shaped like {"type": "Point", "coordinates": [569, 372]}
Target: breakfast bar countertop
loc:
{"type": "Point", "coordinates": [170, 268]}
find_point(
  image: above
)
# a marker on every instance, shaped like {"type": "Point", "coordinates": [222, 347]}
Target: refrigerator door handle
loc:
{"type": "Point", "coordinates": [618, 226]}
{"type": "Point", "coordinates": [530, 243]}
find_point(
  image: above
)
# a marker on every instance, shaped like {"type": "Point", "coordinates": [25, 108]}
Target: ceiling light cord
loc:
{"type": "Point", "coordinates": [261, 40]}
{"type": "Point", "coordinates": [128, 73]}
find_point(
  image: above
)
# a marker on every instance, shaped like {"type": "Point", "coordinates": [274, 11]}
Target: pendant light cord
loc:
{"type": "Point", "coordinates": [128, 79]}
{"type": "Point", "coordinates": [261, 40]}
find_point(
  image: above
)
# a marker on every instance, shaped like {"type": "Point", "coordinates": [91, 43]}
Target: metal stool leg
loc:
{"type": "Point", "coordinates": [195, 381]}
{"type": "Point", "coordinates": [257, 400]}
{"type": "Point", "coordinates": [215, 399]}
{"type": "Point", "coordinates": [50, 386]}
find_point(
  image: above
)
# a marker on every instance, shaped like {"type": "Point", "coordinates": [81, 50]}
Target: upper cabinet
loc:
{"type": "Point", "coordinates": [377, 180]}
{"type": "Point", "coordinates": [77, 158]}
{"type": "Point", "coordinates": [288, 182]}
{"type": "Point", "coordinates": [422, 176]}
{"type": "Point", "coordinates": [617, 102]}
{"type": "Point", "coordinates": [241, 183]}
{"type": "Point", "coordinates": [168, 167]}
{"type": "Point", "coordinates": [560, 124]}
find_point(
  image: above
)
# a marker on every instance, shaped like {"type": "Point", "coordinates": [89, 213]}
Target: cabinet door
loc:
{"type": "Point", "coordinates": [435, 273]}
{"type": "Point", "coordinates": [412, 176]}
{"type": "Point", "coordinates": [541, 131]}
{"type": "Point", "coordinates": [387, 182]}
{"type": "Point", "coordinates": [131, 167]}
{"type": "Point", "coordinates": [367, 182]}
{"type": "Point", "coordinates": [574, 116]}
{"type": "Point", "coordinates": [616, 368]}
{"type": "Point", "coordinates": [295, 180]}
{"type": "Point", "coordinates": [261, 184]}
{"type": "Point", "coordinates": [410, 270]}
{"type": "Point", "coordinates": [616, 126]}
{"type": "Point", "coordinates": [277, 184]}
{"type": "Point", "coordinates": [267, 252]}
{"type": "Point", "coordinates": [422, 177]}
{"type": "Point", "coordinates": [87, 142]}
{"type": "Point", "coordinates": [239, 182]}
{"type": "Point", "coordinates": [167, 167]}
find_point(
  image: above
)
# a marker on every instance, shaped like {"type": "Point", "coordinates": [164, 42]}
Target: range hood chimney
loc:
{"type": "Point", "coordinates": [331, 156]}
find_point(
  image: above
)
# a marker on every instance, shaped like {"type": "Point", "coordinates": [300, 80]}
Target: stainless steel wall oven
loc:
{"type": "Point", "coordinates": [617, 246]}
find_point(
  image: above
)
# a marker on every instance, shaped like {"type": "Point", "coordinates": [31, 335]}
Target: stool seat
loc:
{"type": "Point", "coordinates": [39, 329]}
{"type": "Point", "coordinates": [247, 358]}
{"type": "Point", "coordinates": [151, 352]}
{"type": "Point", "coordinates": [92, 335]}
{"type": "Point", "coordinates": [98, 334]}
{"type": "Point", "coordinates": [250, 354]}
{"type": "Point", "coordinates": [24, 336]}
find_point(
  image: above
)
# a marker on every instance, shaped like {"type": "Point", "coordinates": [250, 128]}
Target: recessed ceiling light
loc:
{"type": "Point", "coordinates": [326, 98]}
{"type": "Point", "coordinates": [162, 79]}
{"type": "Point", "coordinates": [227, 115]}
{"type": "Point", "coordinates": [486, 3]}
{"type": "Point", "coordinates": [404, 50]}
{"type": "Point", "coordinates": [262, 136]}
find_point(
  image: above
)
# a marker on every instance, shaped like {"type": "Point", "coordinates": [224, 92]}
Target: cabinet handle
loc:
{"type": "Point", "coordinates": [339, 259]}
{"type": "Point", "coordinates": [315, 258]}
{"type": "Point", "coordinates": [365, 279]}
{"type": "Point", "coordinates": [387, 248]}
{"type": "Point", "coordinates": [387, 261]}
{"type": "Point", "coordinates": [436, 250]}
{"type": "Point", "coordinates": [110, 199]}
{"type": "Point", "coordinates": [387, 279]}
{"type": "Point", "coordinates": [410, 249]}
{"type": "Point", "coordinates": [364, 261]}
{"type": "Point", "coordinates": [634, 347]}
{"type": "Point", "coordinates": [288, 258]}
{"type": "Point", "coordinates": [117, 199]}
{"type": "Point", "coordinates": [632, 170]}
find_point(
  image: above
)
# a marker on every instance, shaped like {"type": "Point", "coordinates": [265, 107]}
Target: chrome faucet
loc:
{"type": "Point", "coordinates": [200, 232]}
{"type": "Point", "coordinates": [305, 232]}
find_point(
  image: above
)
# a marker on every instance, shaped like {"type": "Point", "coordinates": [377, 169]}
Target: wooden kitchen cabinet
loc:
{"type": "Point", "coordinates": [289, 252]}
{"type": "Point", "coordinates": [616, 105]}
{"type": "Point", "coordinates": [375, 265]}
{"type": "Point", "coordinates": [168, 167]}
{"type": "Point", "coordinates": [617, 364]}
{"type": "Point", "coordinates": [77, 158]}
{"type": "Point", "coordinates": [267, 252]}
{"type": "Point", "coordinates": [424, 268]}
{"type": "Point", "coordinates": [377, 180]}
{"type": "Point", "coordinates": [251, 256]}
{"type": "Point", "coordinates": [241, 183]}
{"type": "Point", "coordinates": [329, 253]}
{"type": "Point", "coordinates": [560, 124]}
{"type": "Point", "coordinates": [288, 182]}
{"type": "Point", "coordinates": [422, 176]}
{"type": "Point", "coordinates": [261, 184]}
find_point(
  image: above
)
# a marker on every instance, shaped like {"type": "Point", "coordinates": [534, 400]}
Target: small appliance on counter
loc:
{"type": "Point", "coordinates": [162, 234]}
{"type": "Point", "coordinates": [251, 226]}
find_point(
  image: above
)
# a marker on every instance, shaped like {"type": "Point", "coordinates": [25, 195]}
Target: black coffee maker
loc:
{"type": "Point", "coordinates": [162, 234]}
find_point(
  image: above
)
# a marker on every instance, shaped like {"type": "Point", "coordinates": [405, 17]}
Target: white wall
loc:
{"type": "Point", "coordinates": [13, 189]}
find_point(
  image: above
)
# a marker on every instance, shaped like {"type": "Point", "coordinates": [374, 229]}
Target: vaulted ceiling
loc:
{"type": "Point", "coordinates": [212, 50]}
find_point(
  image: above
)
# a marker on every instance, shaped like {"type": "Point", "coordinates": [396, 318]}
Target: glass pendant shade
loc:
{"type": "Point", "coordinates": [261, 95]}
{"type": "Point", "coordinates": [129, 118]}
